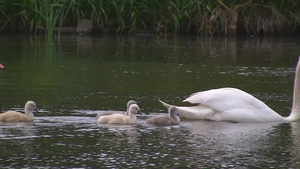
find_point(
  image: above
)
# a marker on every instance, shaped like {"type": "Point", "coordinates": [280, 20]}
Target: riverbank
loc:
{"type": "Point", "coordinates": [211, 17]}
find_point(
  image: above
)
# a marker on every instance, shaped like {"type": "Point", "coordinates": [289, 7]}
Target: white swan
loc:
{"type": "Point", "coordinates": [170, 120]}
{"type": "Point", "coordinates": [2, 67]}
{"type": "Point", "coordinates": [13, 116]}
{"type": "Point", "coordinates": [121, 118]}
{"type": "Point", "coordinates": [110, 112]}
{"type": "Point", "coordinates": [231, 104]}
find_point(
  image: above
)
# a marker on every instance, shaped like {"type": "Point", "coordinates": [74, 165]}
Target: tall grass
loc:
{"type": "Point", "coordinates": [208, 17]}
{"type": "Point", "coordinates": [272, 17]}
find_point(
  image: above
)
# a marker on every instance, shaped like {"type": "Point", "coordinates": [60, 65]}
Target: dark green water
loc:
{"type": "Point", "coordinates": [73, 79]}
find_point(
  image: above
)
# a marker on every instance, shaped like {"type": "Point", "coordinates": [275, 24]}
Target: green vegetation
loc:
{"type": "Point", "coordinates": [202, 17]}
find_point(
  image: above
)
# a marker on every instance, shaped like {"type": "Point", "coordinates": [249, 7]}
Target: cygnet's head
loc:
{"type": "Point", "coordinates": [173, 111]}
{"type": "Point", "coordinates": [134, 108]}
{"type": "Point", "coordinates": [130, 102]}
{"type": "Point", "coordinates": [30, 106]}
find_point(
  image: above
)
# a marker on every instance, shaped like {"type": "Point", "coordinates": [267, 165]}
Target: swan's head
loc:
{"type": "Point", "coordinates": [134, 108]}
{"type": "Point", "coordinates": [30, 106]}
{"type": "Point", "coordinates": [2, 67]}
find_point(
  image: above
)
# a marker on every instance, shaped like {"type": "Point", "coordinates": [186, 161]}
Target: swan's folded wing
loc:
{"type": "Point", "coordinates": [224, 99]}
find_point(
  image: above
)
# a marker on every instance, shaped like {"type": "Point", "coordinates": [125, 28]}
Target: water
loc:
{"type": "Point", "coordinates": [74, 79]}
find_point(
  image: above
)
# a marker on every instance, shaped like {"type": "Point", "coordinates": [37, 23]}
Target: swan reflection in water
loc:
{"type": "Point", "coordinates": [295, 153]}
{"type": "Point", "coordinates": [246, 142]}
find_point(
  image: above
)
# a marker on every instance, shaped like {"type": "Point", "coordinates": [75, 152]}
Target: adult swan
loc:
{"type": "Point", "coordinates": [231, 104]}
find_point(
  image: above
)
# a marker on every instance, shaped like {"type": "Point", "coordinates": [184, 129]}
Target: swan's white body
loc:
{"type": "Point", "coordinates": [231, 104]}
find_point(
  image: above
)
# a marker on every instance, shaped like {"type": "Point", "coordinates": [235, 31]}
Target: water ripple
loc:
{"type": "Point", "coordinates": [194, 144]}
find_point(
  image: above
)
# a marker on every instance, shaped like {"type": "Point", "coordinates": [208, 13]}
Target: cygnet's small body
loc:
{"type": "Point", "coordinates": [172, 119]}
{"type": "Point", "coordinates": [13, 116]}
{"type": "Point", "coordinates": [121, 118]}
{"type": "Point", "coordinates": [111, 112]}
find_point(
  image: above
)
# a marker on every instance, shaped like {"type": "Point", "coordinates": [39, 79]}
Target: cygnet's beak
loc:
{"type": "Point", "coordinates": [2, 67]}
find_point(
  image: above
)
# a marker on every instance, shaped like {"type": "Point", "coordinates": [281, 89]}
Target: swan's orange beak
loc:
{"type": "Point", "coordinates": [2, 67]}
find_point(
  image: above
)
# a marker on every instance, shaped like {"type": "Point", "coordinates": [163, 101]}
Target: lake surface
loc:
{"type": "Point", "coordinates": [75, 78]}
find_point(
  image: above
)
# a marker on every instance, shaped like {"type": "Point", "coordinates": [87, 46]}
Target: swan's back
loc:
{"type": "Point", "coordinates": [231, 104]}
{"type": "Point", "coordinates": [232, 97]}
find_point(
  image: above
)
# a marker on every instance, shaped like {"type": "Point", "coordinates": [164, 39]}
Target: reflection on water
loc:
{"type": "Point", "coordinates": [247, 144]}
{"type": "Point", "coordinates": [74, 141]}
{"type": "Point", "coordinates": [74, 79]}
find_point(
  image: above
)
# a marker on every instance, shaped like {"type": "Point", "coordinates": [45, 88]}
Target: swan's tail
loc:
{"type": "Point", "coordinates": [165, 104]}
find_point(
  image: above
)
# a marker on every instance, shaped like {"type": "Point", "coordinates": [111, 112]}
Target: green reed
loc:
{"type": "Point", "coordinates": [207, 17]}
{"type": "Point", "coordinates": [4, 18]}
{"type": "Point", "coordinates": [54, 14]}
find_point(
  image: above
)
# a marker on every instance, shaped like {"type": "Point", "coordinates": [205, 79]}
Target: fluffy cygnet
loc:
{"type": "Point", "coordinates": [121, 118]}
{"type": "Point", "coordinates": [172, 119]}
{"type": "Point", "coordinates": [110, 112]}
{"type": "Point", "coordinates": [13, 116]}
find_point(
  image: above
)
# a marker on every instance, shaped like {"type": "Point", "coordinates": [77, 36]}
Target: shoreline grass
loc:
{"type": "Point", "coordinates": [209, 17]}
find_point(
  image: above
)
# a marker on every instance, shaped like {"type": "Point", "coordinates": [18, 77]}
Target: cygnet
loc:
{"type": "Point", "coordinates": [13, 116]}
{"type": "Point", "coordinates": [121, 118]}
{"type": "Point", "coordinates": [172, 119]}
{"type": "Point", "coordinates": [110, 112]}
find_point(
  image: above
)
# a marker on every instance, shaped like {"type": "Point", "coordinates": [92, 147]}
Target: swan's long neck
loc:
{"type": "Point", "coordinates": [295, 114]}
